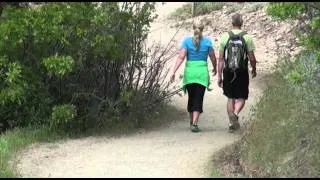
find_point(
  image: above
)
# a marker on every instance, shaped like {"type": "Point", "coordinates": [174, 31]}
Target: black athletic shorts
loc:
{"type": "Point", "coordinates": [195, 100]}
{"type": "Point", "coordinates": [236, 86]}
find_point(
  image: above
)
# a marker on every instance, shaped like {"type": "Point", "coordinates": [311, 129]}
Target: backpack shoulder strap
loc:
{"type": "Point", "coordinates": [230, 34]}
{"type": "Point", "coordinates": [242, 33]}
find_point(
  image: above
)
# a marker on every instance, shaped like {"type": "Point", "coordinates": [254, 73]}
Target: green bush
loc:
{"type": "Point", "coordinates": [304, 70]}
{"type": "Point", "coordinates": [59, 66]}
{"type": "Point", "coordinates": [23, 99]}
{"type": "Point", "coordinates": [285, 10]}
{"type": "Point", "coordinates": [62, 115]}
{"type": "Point", "coordinates": [12, 84]}
{"type": "Point", "coordinates": [55, 51]}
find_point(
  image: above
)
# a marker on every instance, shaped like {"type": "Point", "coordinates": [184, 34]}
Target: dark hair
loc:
{"type": "Point", "coordinates": [237, 19]}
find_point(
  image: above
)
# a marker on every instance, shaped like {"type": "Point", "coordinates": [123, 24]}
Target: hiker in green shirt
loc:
{"type": "Point", "coordinates": [236, 48]}
{"type": "Point", "coordinates": [196, 75]}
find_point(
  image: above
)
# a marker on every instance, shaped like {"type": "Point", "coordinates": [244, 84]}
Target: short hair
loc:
{"type": "Point", "coordinates": [237, 19]}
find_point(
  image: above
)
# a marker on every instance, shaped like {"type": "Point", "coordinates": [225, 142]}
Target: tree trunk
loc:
{"type": "Point", "coordinates": [1, 8]}
{"type": "Point", "coordinates": [192, 9]}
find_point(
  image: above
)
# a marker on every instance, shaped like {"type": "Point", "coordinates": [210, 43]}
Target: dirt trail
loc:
{"type": "Point", "coordinates": [171, 151]}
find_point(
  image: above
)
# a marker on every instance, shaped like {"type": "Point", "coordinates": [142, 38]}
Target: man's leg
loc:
{"type": "Point", "coordinates": [230, 106]}
{"type": "Point", "coordinates": [242, 91]}
{"type": "Point", "coordinates": [238, 105]}
{"type": "Point", "coordinates": [233, 123]}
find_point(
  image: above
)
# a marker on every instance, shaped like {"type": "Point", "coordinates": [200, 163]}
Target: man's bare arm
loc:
{"type": "Point", "coordinates": [220, 67]}
{"type": "Point", "coordinates": [253, 63]}
{"type": "Point", "coordinates": [220, 63]}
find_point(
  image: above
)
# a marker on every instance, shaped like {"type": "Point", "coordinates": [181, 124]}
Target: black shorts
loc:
{"type": "Point", "coordinates": [238, 87]}
{"type": "Point", "coordinates": [195, 100]}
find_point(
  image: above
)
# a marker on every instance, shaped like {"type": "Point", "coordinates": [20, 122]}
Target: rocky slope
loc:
{"type": "Point", "coordinates": [272, 38]}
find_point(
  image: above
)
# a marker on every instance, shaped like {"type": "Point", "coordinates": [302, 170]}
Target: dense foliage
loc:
{"type": "Point", "coordinates": [86, 54]}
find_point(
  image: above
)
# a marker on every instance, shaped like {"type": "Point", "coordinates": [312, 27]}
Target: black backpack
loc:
{"type": "Point", "coordinates": [235, 52]}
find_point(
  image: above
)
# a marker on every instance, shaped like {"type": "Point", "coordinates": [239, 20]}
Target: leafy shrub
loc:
{"type": "Point", "coordinates": [22, 97]}
{"type": "Point", "coordinates": [62, 115]}
{"type": "Point", "coordinates": [83, 45]}
{"type": "Point", "coordinates": [12, 84]}
{"type": "Point", "coordinates": [59, 66]}
{"type": "Point", "coordinates": [285, 10]}
{"type": "Point", "coordinates": [303, 70]}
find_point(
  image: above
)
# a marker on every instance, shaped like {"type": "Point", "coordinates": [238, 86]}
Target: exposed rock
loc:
{"type": "Point", "coordinates": [278, 38]}
{"type": "Point", "coordinates": [268, 28]}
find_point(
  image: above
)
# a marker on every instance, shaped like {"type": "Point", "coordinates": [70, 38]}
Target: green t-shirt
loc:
{"type": "Point", "coordinates": [248, 39]}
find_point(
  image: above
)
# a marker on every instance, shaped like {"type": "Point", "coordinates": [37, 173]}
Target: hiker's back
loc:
{"type": "Point", "coordinates": [236, 44]}
{"type": "Point", "coordinates": [235, 52]}
{"type": "Point", "coordinates": [202, 53]}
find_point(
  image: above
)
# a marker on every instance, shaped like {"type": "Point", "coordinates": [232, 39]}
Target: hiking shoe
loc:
{"type": "Point", "coordinates": [234, 123]}
{"type": "Point", "coordinates": [231, 128]}
{"type": "Point", "coordinates": [194, 128]}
